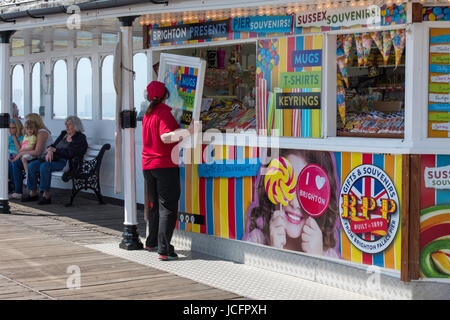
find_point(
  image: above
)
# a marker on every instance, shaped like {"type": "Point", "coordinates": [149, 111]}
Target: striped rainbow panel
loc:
{"type": "Point", "coordinates": [222, 201]}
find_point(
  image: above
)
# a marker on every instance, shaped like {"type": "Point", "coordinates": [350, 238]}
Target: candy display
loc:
{"type": "Point", "coordinates": [280, 181]}
{"type": "Point", "coordinates": [370, 88]}
{"type": "Point", "coordinates": [375, 122]}
{"type": "Point", "coordinates": [393, 14]}
{"type": "Point", "coordinates": [226, 114]}
{"type": "Point", "coordinates": [436, 13]}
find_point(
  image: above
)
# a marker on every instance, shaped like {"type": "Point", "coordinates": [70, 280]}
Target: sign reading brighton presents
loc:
{"type": "Point", "coordinates": [369, 209]}
{"type": "Point", "coordinates": [338, 18]}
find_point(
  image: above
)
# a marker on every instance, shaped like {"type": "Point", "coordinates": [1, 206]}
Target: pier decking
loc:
{"type": "Point", "coordinates": [45, 248]}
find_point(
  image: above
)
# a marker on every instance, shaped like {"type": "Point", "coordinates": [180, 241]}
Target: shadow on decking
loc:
{"type": "Point", "coordinates": [86, 209]}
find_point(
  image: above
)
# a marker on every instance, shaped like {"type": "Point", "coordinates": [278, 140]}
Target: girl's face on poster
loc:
{"type": "Point", "coordinates": [295, 217]}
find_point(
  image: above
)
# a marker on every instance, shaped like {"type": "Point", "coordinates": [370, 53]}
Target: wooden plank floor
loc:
{"type": "Point", "coordinates": [40, 245]}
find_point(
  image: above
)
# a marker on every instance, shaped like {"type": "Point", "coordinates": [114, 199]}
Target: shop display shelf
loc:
{"type": "Point", "coordinates": [370, 135]}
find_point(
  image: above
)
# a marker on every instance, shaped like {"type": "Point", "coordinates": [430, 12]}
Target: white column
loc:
{"type": "Point", "coordinates": [130, 236]}
{"type": "Point", "coordinates": [5, 102]}
{"type": "Point", "coordinates": [128, 133]}
{"type": "Point", "coordinates": [415, 111]}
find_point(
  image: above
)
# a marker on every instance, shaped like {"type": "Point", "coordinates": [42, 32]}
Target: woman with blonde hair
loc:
{"type": "Point", "coordinates": [71, 145]}
{"type": "Point", "coordinates": [43, 141]}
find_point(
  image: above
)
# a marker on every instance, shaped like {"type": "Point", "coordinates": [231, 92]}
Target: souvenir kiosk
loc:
{"type": "Point", "coordinates": [324, 151]}
{"type": "Point", "coordinates": [325, 134]}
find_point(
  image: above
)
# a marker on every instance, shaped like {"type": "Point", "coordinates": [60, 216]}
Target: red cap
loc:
{"type": "Point", "coordinates": [156, 90]}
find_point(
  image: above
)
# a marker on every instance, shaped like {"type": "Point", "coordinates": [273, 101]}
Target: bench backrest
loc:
{"type": "Point", "coordinates": [92, 152]}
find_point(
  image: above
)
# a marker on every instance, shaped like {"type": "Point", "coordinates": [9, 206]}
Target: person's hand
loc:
{"type": "Point", "coordinates": [49, 155]}
{"type": "Point", "coordinates": [17, 157]}
{"type": "Point", "coordinates": [194, 127]}
{"type": "Point", "coordinates": [277, 229]}
{"type": "Point", "coordinates": [256, 236]}
{"type": "Point", "coordinates": [311, 237]}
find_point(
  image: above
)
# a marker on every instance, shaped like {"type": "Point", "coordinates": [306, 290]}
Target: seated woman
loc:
{"type": "Point", "coordinates": [70, 145]}
{"type": "Point", "coordinates": [43, 140]}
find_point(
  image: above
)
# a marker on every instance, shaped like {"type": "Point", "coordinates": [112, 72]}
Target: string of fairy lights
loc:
{"type": "Point", "coordinates": [288, 8]}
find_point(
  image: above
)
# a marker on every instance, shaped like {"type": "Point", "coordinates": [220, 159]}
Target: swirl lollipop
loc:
{"type": "Point", "coordinates": [280, 181]}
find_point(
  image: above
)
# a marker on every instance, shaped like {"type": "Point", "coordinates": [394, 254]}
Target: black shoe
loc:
{"type": "Point", "coordinates": [44, 200]}
{"type": "Point", "coordinates": [28, 198]}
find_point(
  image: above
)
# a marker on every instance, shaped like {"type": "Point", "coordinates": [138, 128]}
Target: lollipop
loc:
{"type": "Point", "coordinates": [387, 45]}
{"type": "Point", "coordinates": [398, 40]}
{"type": "Point", "coordinates": [367, 45]}
{"type": "Point", "coordinates": [359, 48]}
{"type": "Point", "coordinates": [378, 39]}
{"type": "Point", "coordinates": [348, 40]}
{"type": "Point", "coordinates": [280, 181]}
{"type": "Point", "coordinates": [343, 69]}
{"type": "Point", "coordinates": [341, 103]}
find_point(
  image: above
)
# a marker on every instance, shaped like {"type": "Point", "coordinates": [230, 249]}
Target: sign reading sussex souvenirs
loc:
{"type": "Point", "coordinates": [369, 209]}
{"type": "Point", "coordinates": [262, 24]}
{"type": "Point", "coordinates": [337, 18]}
{"type": "Point", "coordinates": [193, 31]}
{"type": "Point", "coordinates": [437, 178]}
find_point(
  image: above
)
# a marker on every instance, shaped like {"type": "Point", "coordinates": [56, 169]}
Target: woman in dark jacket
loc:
{"type": "Point", "coordinates": [70, 145]}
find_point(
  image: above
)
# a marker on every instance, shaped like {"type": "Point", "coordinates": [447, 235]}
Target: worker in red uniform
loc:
{"type": "Point", "coordinates": [161, 133]}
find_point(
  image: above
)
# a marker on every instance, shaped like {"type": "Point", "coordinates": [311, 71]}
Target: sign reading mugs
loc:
{"type": "Point", "coordinates": [369, 209]}
{"type": "Point", "coordinates": [337, 18]}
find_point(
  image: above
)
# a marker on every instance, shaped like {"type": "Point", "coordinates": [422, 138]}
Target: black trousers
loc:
{"type": "Point", "coordinates": [163, 187]}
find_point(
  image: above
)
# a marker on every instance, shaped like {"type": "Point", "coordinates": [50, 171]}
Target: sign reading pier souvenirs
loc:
{"type": "Point", "coordinates": [369, 208]}
{"type": "Point", "coordinates": [193, 31]}
{"type": "Point", "coordinates": [337, 18]}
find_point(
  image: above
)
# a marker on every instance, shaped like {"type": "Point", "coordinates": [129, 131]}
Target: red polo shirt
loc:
{"type": "Point", "coordinates": [155, 153]}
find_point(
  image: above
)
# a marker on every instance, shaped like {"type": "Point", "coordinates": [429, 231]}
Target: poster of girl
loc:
{"type": "Point", "coordinates": [290, 226]}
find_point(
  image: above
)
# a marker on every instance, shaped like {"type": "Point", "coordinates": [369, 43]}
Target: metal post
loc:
{"type": "Point", "coordinates": [5, 109]}
{"type": "Point", "coordinates": [130, 236]}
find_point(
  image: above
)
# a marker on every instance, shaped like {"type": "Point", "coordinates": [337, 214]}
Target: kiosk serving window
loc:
{"type": "Point", "coordinates": [228, 89]}
{"type": "Point", "coordinates": [371, 84]}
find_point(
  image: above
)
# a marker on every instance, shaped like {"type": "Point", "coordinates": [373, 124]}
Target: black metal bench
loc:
{"type": "Point", "coordinates": [87, 175]}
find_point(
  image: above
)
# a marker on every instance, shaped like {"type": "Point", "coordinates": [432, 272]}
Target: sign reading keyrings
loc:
{"type": "Point", "coordinates": [369, 209]}
{"type": "Point", "coordinates": [297, 100]}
